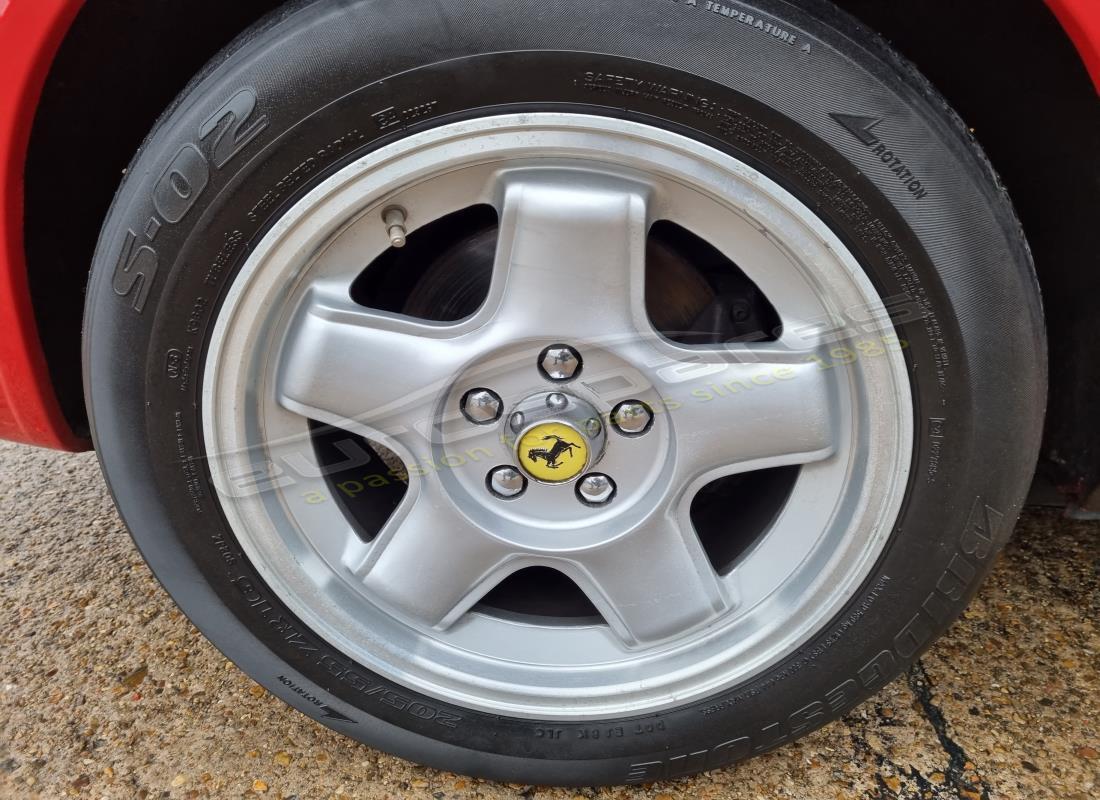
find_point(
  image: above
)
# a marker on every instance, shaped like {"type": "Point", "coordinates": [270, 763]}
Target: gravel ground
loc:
{"type": "Point", "coordinates": [107, 691]}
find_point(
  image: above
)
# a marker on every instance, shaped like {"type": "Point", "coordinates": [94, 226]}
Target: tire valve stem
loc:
{"type": "Point", "coordinates": [394, 220]}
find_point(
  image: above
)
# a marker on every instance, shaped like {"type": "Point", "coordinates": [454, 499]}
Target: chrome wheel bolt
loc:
{"type": "Point", "coordinates": [632, 418]}
{"type": "Point", "coordinates": [556, 401]}
{"type": "Point", "coordinates": [481, 406]}
{"type": "Point", "coordinates": [559, 362]}
{"type": "Point", "coordinates": [592, 427]}
{"type": "Point", "coordinates": [506, 482]}
{"type": "Point", "coordinates": [595, 489]}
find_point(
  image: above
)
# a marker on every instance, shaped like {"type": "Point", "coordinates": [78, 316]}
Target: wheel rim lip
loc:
{"type": "Point", "coordinates": [454, 681]}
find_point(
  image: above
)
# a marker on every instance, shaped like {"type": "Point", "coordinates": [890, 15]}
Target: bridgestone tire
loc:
{"type": "Point", "coordinates": [799, 92]}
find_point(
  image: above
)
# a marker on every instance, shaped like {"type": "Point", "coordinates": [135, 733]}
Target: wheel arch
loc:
{"type": "Point", "coordinates": [120, 65]}
{"type": "Point", "coordinates": [94, 112]}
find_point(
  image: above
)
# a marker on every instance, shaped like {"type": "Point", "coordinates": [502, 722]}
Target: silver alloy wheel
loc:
{"type": "Point", "coordinates": [575, 197]}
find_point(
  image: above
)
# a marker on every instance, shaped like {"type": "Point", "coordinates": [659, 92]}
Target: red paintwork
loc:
{"type": "Point", "coordinates": [30, 33]}
{"type": "Point", "coordinates": [1081, 20]}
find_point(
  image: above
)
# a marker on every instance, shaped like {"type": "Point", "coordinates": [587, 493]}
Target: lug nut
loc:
{"type": "Point", "coordinates": [506, 482]}
{"type": "Point", "coordinates": [481, 406]}
{"type": "Point", "coordinates": [394, 220]}
{"type": "Point", "coordinates": [559, 362]}
{"type": "Point", "coordinates": [632, 417]}
{"type": "Point", "coordinates": [595, 489]}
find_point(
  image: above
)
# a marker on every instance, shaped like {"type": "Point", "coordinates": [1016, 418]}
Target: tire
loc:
{"type": "Point", "coordinates": [798, 93]}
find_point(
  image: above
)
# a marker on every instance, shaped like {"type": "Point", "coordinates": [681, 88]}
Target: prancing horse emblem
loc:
{"type": "Point", "coordinates": [553, 453]}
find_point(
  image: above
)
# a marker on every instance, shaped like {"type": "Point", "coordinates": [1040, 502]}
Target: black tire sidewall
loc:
{"type": "Point", "coordinates": [386, 70]}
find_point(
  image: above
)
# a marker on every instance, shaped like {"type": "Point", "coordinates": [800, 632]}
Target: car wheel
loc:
{"type": "Point", "coordinates": [565, 393]}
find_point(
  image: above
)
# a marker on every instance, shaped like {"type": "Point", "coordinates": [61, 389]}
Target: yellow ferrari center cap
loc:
{"type": "Point", "coordinates": [552, 452]}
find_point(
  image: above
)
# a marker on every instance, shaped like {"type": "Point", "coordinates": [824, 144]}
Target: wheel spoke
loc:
{"type": "Point", "coordinates": [571, 255]}
{"type": "Point", "coordinates": [652, 583]}
{"type": "Point", "coordinates": [341, 362]}
{"type": "Point", "coordinates": [430, 563]}
{"type": "Point", "coordinates": [734, 416]}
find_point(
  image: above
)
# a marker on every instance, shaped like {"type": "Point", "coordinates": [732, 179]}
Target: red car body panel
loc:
{"type": "Point", "coordinates": [30, 33]}
{"type": "Point", "coordinates": [1081, 20]}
